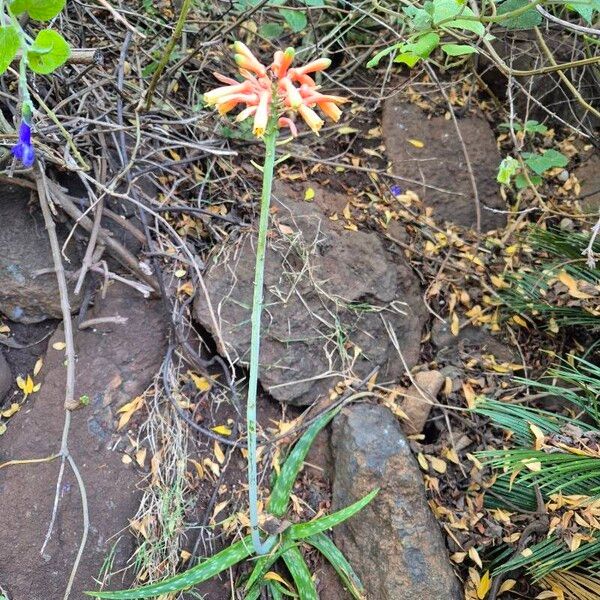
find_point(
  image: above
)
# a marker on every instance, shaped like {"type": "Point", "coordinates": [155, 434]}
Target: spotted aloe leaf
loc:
{"type": "Point", "coordinates": [302, 531]}
{"type": "Point", "coordinates": [291, 467]}
{"type": "Point", "coordinates": [300, 573]}
{"type": "Point", "coordinates": [339, 562]}
{"type": "Point", "coordinates": [202, 572]}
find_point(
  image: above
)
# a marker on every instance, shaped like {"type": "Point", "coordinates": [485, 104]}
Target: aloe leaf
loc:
{"type": "Point", "coordinates": [291, 467]}
{"type": "Point", "coordinates": [261, 566]}
{"type": "Point", "coordinates": [300, 572]}
{"type": "Point", "coordinates": [304, 530]}
{"type": "Point", "coordinates": [339, 562]}
{"type": "Point", "coordinates": [206, 570]}
{"type": "Point", "coordinates": [275, 593]}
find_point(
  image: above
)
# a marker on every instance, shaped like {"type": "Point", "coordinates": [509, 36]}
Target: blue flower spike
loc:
{"type": "Point", "coordinates": [24, 150]}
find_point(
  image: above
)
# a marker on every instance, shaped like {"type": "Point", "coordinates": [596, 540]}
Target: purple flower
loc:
{"type": "Point", "coordinates": [396, 190]}
{"type": "Point", "coordinates": [24, 150]}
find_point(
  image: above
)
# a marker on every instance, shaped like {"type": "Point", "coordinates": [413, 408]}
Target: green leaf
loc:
{"type": "Point", "coordinates": [539, 163]}
{"type": "Point", "coordinates": [339, 562]}
{"type": "Point", "coordinates": [508, 167]}
{"type": "Point", "coordinates": [40, 10]}
{"type": "Point", "coordinates": [9, 46]}
{"type": "Point", "coordinates": [202, 572]}
{"type": "Point", "coordinates": [274, 590]}
{"type": "Point", "coordinates": [458, 49]}
{"type": "Point", "coordinates": [585, 8]}
{"type": "Point", "coordinates": [527, 20]}
{"type": "Point", "coordinates": [291, 467]}
{"type": "Point", "coordinates": [535, 127]}
{"type": "Point", "coordinates": [382, 54]}
{"type": "Point", "coordinates": [412, 52]}
{"type": "Point", "coordinates": [449, 13]}
{"type": "Point", "coordinates": [270, 31]}
{"type": "Point", "coordinates": [49, 51]}
{"type": "Point", "coordinates": [303, 530]}
{"type": "Point", "coordinates": [296, 19]}
{"type": "Point", "coordinates": [300, 572]}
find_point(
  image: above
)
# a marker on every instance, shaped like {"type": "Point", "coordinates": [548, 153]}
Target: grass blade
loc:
{"type": "Point", "coordinates": [300, 573]}
{"type": "Point", "coordinates": [339, 562]}
{"type": "Point", "coordinates": [302, 531]}
{"type": "Point", "coordinates": [291, 467]}
{"type": "Point", "coordinates": [202, 572]}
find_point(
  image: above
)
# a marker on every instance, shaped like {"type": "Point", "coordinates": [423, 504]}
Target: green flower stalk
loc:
{"type": "Point", "coordinates": [267, 93]}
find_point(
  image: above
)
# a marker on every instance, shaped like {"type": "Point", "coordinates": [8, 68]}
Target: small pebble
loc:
{"type": "Point", "coordinates": [567, 224]}
{"type": "Point", "coordinates": [563, 175]}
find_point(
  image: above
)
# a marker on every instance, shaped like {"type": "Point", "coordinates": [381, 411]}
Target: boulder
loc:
{"type": "Point", "coordinates": [437, 160]}
{"type": "Point", "coordinates": [328, 291]}
{"type": "Point", "coordinates": [115, 363]}
{"type": "Point", "coordinates": [394, 544]}
{"type": "Point", "coordinates": [28, 287]}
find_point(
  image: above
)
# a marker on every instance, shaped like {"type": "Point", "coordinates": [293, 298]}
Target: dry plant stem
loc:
{"type": "Point", "coordinates": [270, 142]}
{"type": "Point", "coordinates": [563, 77]}
{"type": "Point", "coordinates": [70, 403]}
{"type": "Point", "coordinates": [121, 19]}
{"type": "Point", "coordinates": [185, 9]}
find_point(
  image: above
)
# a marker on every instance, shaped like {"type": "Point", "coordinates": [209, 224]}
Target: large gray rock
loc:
{"type": "Point", "coordinates": [328, 291]}
{"type": "Point", "coordinates": [394, 544]}
{"type": "Point", "coordinates": [441, 163]}
{"type": "Point", "coordinates": [28, 288]}
{"type": "Point", "coordinates": [115, 363]}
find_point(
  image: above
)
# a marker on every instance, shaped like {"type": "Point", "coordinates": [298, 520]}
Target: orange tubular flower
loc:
{"type": "Point", "coordinates": [268, 92]}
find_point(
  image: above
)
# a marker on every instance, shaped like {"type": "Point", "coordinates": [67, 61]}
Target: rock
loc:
{"type": "Point", "coordinates": [419, 399]}
{"type": "Point", "coordinates": [588, 175]}
{"type": "Point", "coordinates": [327, 292]}
{"type": "Point", "coordinates": [441, 163]}
{"type": "Point", "coordinates": [6, 378]}
{"type": "Point", "coordinates": [114, 363]}
{"type": "Point", "coordinates": [394, 544]}
{"type": "Point", "coordinates": [28, 288]}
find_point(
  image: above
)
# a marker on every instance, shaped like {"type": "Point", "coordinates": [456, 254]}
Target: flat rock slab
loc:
{"type": "Point", "coordinates": [115, 363]}
{"type": "Point", "coordinates": [394, 544]}
{"type": "Point", "coordinates": [440, 163]}
{"type": "Point", "coordinates": [28, 288]}
{"type": "Point", "coordinates": [328, 291]}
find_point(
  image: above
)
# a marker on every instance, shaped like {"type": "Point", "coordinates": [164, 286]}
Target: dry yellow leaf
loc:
{"type": "Point", "coordinates": [485, 583]}
{"type": "Point", "coordinates": [59, 345]}
{"type": "Point", "coordinates": [126, 459]}
{"type": "Point", "coordinates": [309, 194]}
{"type": "Point", "coordinates": [438, 464]}
{"type": "Point", "coordinates": [185, 555]}
{"type": "Point", "coordinates": [38, 366]}
{"type": "Point", "coordinates": [571, 284]}
{"type": "Point", "coordinates": [9, 412]}
{"type": "Point", "coordinates": [527, 553]}
{"type": "Point", "coordinates": [276, 577]}
{"type": "Point", "coordinates": [128, 410]}
{"type": "Point", "coordinates": [474, 556]}
{"type": "Point", "coordinates": [539, 436]}
{"type": "Point", "coordinates": [455, 324]}
{"type": "Point", "coordinates": [140, 456]}
{"type": "Point", "coordinates": [422, 461]}
{"type": "Point", "coordinates": [520, 321]}
{"type": "Point", "coordinates": [416, 143]}
{"type": "Point", "coordinates": [201, 383]}
{"type": "Point", "coordinates": [222, 430]}
{"type": "Point", "coordinates": [219, 453]}
{"type": "Point", "coordinates": [199, 468]}
{"type": "Point", "coordinates": [507, 585]}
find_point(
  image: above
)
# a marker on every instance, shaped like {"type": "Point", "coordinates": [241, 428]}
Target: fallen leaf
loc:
{"type": "Point", "coordinates": [309, 194]}
{"type": "Point", "coordinates": [202, 384]}
{"type": "Point", "coordinates": [416, 143]}
{"type": "Point", "coordinates": [219, 453]}
{"type": "Point", "coordinates": [485, 583]}
{"type": "Point", "coordinates": [59, 345]}
{"type": "Point", "coordinates": [222, 430]}
{"type": "Point", "coordinates": [9, 412]}
{"type": "Point", "coordinates": [474, 556]}
{"type": "Point", "coordinates": [128, 410]}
